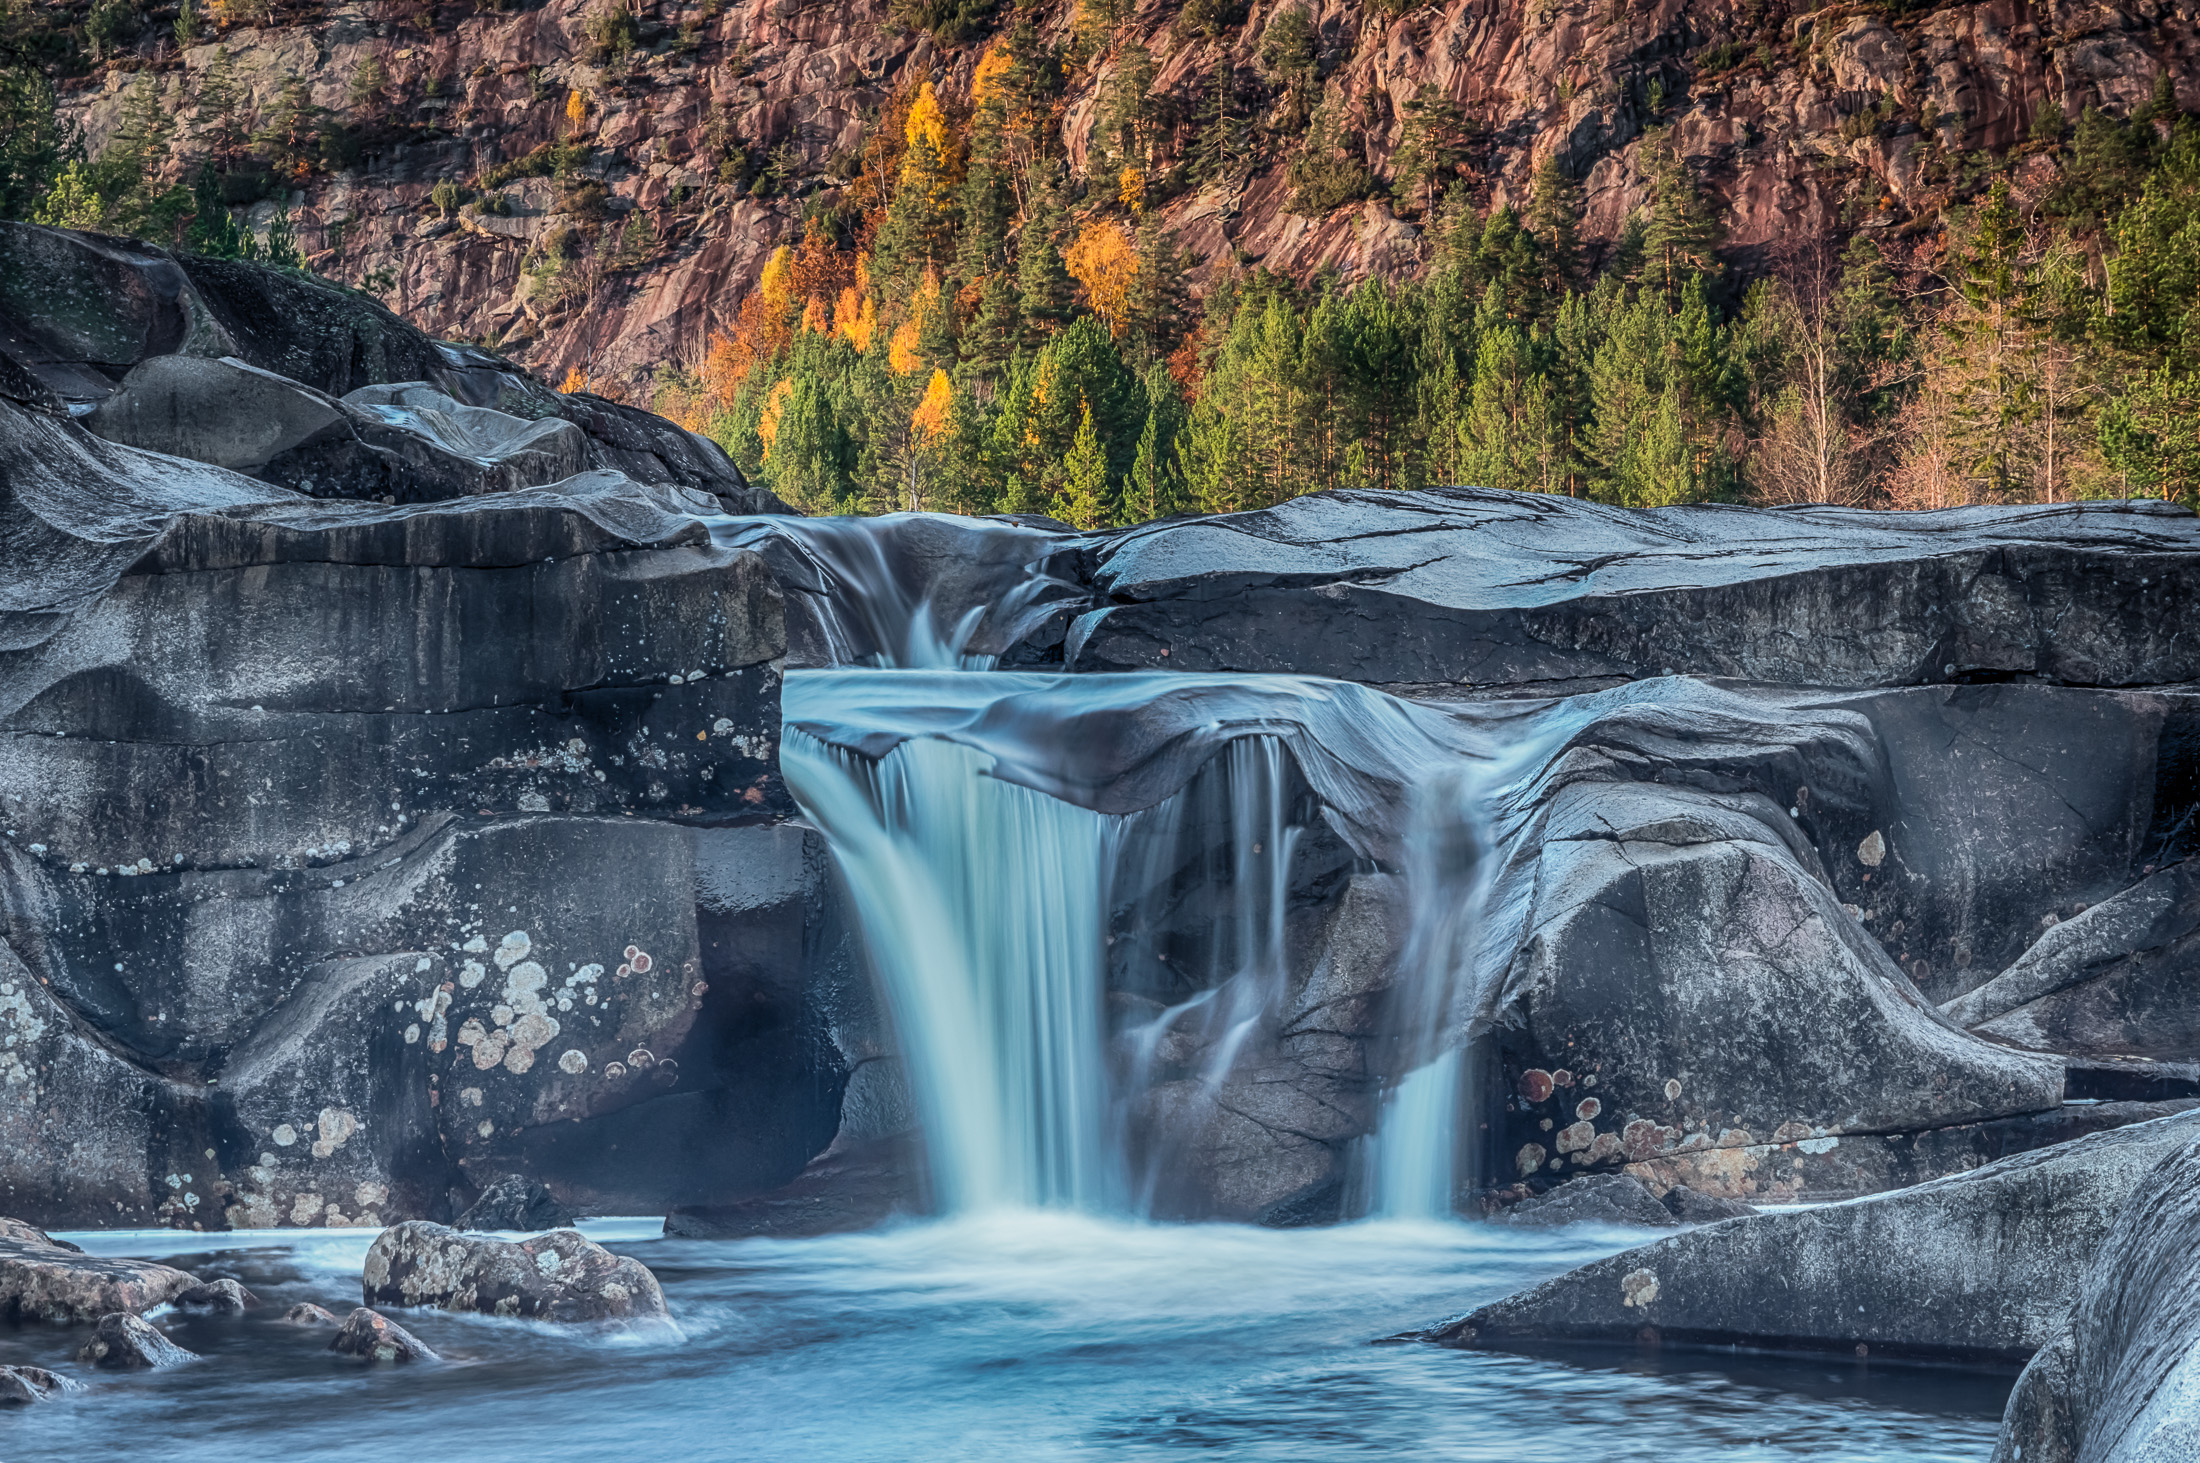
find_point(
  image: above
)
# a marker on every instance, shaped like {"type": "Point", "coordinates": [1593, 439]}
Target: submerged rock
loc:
{"type": "Point", "coordinates": [516, 1202]}
{"type": "Point", "coordinates": [2120, 1382]}
{"type": "Point", "coordinates": [1983, 1265]}
{"type": "Point", "coordinates": [20, 1386]}
{"type": "Point", "coordinates": [44, 1281]}
{"type": "Point", "coordinates": [306, 1313]}
{"type": "Point", "coordinates": [559, 1276]}
{"type": "Point", "coordinates": [225, 1296]}
{"type": "Point", "coordinates": [1591, 1199]}
{"type": "Point", "coordinates": [124, 1341]}
{"type": "Point", "coordinates": [371, 1336]}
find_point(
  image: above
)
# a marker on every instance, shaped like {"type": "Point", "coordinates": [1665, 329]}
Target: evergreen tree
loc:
{"type": "Point", "coordinates": [1554, 214]}
{"type": "Point", "coordinates": [1041, 276]}
{"type": "Point", "coordinates": [1681, 233]}
{"type": "Point", "coordinates": [1431, 143]}
{"type": "Point", "coordinates": [222, 126]}
{"type": "Point", "coordinates": [1154, 488]}
{"type": "Point", "coordinates": [35, 144]}
{"type": "Point", "coordinates": [1085, 498]}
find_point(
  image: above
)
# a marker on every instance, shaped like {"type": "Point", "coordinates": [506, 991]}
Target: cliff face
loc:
{"type": "Point", "coordinates": [1799, 123]}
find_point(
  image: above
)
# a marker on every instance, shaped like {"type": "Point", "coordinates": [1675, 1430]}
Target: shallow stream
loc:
{"type": "Point", "coordinates": [1029, 1337]}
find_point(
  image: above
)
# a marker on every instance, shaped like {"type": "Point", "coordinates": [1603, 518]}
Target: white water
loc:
{"type": "Point", "coordinates": [980, 904]}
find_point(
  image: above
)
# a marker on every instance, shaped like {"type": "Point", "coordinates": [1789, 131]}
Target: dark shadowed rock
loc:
{"type": "Point", "coordinates": [2121, 978]}
{"type": "Point", "coordinates": [21, 1386]}
{"type": "Point", "coordinates": [1691, 1207]}
{"type": "Point", "coordinates": [1468, 587]}
{"type": "Point", "coordinates": [122, 1341]}
{"type": "Point", "coordinates": [44, 1281]}
{"type": "Point", "coordinates": [2120, 1382]}
{"type": "Point", "coordinates": [846, 1188]}
{"type": "Point", "coordinates": [1591, 1199]}
{"type": "Point", "coordinates": [225, 1296]}
{"type": "Point", "coordinates": [516, 1202]}
{"type": "Point", "coordinates": [221, 412]}
{"type": "Point", "coordinates": [370, 1336]}
{"type": "Point", "coordinates": [1981, 1265]}
{"type": "Point", "coordinates": [559, 1276]}
{"type": "Point", "coordinates": [306, 1313]}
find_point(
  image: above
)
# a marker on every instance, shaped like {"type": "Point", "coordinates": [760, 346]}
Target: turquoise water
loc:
{"type": "Point", "coordinates": [1004, 1336]}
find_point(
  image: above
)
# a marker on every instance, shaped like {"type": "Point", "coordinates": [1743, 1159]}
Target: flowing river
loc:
{"type": "Point", "coordinates": [1009, 1336]}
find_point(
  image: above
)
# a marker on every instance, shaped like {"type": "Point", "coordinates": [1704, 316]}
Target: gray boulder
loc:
{"type": "Point", "coordinates": [2120, 1381]}
{"type": "Point", "coordinates": [370, 1336]}
{"type": "Point", "coordinates": [516, 1202]}
{"type": "Point", "coordinates": [224, 1296]}
{"type": "Point", "coordinates": [1982, 1265]}
{"type": "Point", "coordinates": [221, 412]}
{"type": "Point", "coordinates": [559, 1276]}
{"type": "Point", "coordinates": [1591, 1199]}
{"type": "Point", "coordinates": [123, 1342]}
{"type": "Point", "coordinates": [21, 1386]}
{"type": "Point", "coordinates": [306, 1313]}
{"type": "Point", "coordinates": [44, 1281]}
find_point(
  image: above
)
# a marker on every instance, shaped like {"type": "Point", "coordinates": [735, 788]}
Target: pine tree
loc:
{"type": "Point", "coordinates": [1084, 500]}
{"type": "Point", "coordinates": [1155, 489]}
{"type": "Point", "coordinates": [35, 144]}
{"type": "Point", "coordinates": [1041, 276]}
{"type": "Point", "coordinates": [1431, 142]}
{"type": "Point", "coordinates": [1219, 144]}
{"type": "Point", "coordinates": [1681, 233]}
{"type": "Point", "coordinates": [222, 128]}
{"type": "Point", "coordinates": [1554, 214]}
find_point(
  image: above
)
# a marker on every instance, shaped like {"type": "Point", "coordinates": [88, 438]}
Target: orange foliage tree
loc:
{"type": "Point", "coordinates": [1105, 262]}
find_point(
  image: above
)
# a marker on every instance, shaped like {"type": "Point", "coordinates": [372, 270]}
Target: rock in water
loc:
{"type": "Point", "coordinates": [124, 1341]}
{"type": "Point", "coordinates": [2121, 1382]}
{"type": "Point", "coordinates": [226, 1296]}
{"type": "Point", "coordinates": [1980, 1265]}
{"type": "Point", "coordinates": [1597, 1198]}
{"type": "Point", "coordinates": [306, 1313]}
{"type": "Point", "coordinates": [22, 1385]}
{"type": "Point", "coordinates": [44, 1281]}
{"type": "Point", "coordinates": [516, 1202]}
{"type": "Point", "coordinates": [559, 1276]}
{"type": "Point", "coordinates": [372, 1336]}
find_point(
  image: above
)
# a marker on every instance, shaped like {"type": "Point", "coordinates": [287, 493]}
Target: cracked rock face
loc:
{"type": "Point", "coordinates": [300, 798]}
{"type": "Point", "coordinates": [559, 1276]}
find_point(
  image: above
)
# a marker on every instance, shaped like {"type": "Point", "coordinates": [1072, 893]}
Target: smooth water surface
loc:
{"type": "Point", "coordinates": [1012, 1337]}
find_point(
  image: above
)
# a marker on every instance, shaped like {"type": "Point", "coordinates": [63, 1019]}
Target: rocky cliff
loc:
{"type": "Point", "coordinates": [722, 126]}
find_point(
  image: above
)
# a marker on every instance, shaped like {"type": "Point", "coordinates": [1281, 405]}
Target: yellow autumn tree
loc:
{"type": "Point", "coordinates": [1105, 262]}
{"type": "Point", "coordinates": [576, 108]}
{"type": "Point", "coordinates": [776, 284]}
{"type": "Point", "coordinates": [575, 380]}
{"type": "Point", "coordinates": [817, 317]}
{"type": "Point", "coordinates": [775, 402]}
{"type": "Point", "coordinates": [985, 81]}
{"type": "Point", "coordinates": [901, 350]}
{"type": "Point", "coordinates": [856, 317]}
{"type": "Point", "coordinates": [930, 421]}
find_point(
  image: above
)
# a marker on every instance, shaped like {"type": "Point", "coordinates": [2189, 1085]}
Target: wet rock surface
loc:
{"type": "Point", "coordinates": [124, 1342]}
{"type": "Point", "coordinates": [306, 1313]}
{"type": "Point", "coordinates": [368, 1335]}
{"type": "Point", "coordinates": [2120, 1382]}
{"type": "Point", "coordinates": [22, 1386]}
{"type": "Point", "coordinates": [559, 1276]}
{"type": "Point", "coordinates": [225, 1297]}
{"type": "Point", "coordinates": [1979, 1266]}
{"type": "Point", "coordinates": [44, 1281]}
{"type": "Point", "coordinates": [1592, 1199]}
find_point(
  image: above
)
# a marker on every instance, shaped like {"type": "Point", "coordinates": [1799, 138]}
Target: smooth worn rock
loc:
{"type": "Point", "coordinates": [306, 1313]}
{"type": "Point", "coordinates": [1591, 1199]}
{"type": "Point", "coordinates": [2121, 978]}
{"type": "Point", "coordinates": [559, 1276]}
{"type": "Point", "coordinates": [516, 1202]}
{"type": "Point", "coordinates": [44, 1281]}
{"type": "Point", "coordinates": [1467, 587]}
{"type": "Point", "coordinates": [20, 1386]}
{"type": "Point", "coordinates": [1983, 1265]}
{"type": "Point", "coordinates": [225, 1296]}
{"type": "Point", "coordinates": [222, 412]}
{"type": "Point", "coordinates": [2120, 1383]}
{"type": "Point", "coordinates": [122, 1341]}
{"type": "Point", "coordinates": [368, 1335]}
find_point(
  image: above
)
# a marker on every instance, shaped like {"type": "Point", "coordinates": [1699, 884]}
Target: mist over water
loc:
{"type": "Point", "coordinates": [1029, 1336]}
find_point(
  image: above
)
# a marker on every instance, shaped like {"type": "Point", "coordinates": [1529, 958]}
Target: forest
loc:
{"type": "Point", "coordinates": [967, 324]}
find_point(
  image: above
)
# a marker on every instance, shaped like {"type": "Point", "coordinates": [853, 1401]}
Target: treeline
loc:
{"type": "Point", "coordinates": [960, 337]}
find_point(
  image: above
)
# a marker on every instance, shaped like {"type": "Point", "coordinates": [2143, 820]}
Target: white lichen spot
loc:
{"type": "Point", "coordinates": [1873, 850]}
{"type": "Point", "coordinates": [533, 802]}
{"type": "Point", "coordinates": [306, 1209]}
{"type": "Point", "coordinates": [1816, 1146]}
{"type": "Point", "coordinates": [285, 1135]}
{"type": "Point", "coordinates": [472, 972]}
{"type": "Point", "coordinates": [573, 1063]}
{"type": "Point", "coordinates": [1672, 1089]}
{"type": "Point", "coordinates": [368, 1195]}
{"type": "Point", "coordinates": [1637, 1288]}
{"type": "Point", "coordinates": [336, 1127]}
{"type": "Point", "coordinates": [547, 1262]}
{"type": "Point", "coordinates": [412, 1034]}
{"type": "Point", "coordinates": [489, 1051]}
{"type": "Point", "coordinates": [485, 1128]}
{"type": "Point", "coordinates": [477, 945]}
{"type": "Point", "coordinates": [501, 1015]}
{"type": "Point", "coordinates": [512, 949]}
{"type": "Point", "coordinates": [519, 1060]}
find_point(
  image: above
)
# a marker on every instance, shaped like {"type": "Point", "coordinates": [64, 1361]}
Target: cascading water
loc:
{"type": "Point", "coordinates": [970, 816]}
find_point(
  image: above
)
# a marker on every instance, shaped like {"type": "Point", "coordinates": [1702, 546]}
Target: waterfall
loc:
{"type": "Point", "coordinates": [1413, 1162]}
{"type": "Point", "coordinates": [980, 903]}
